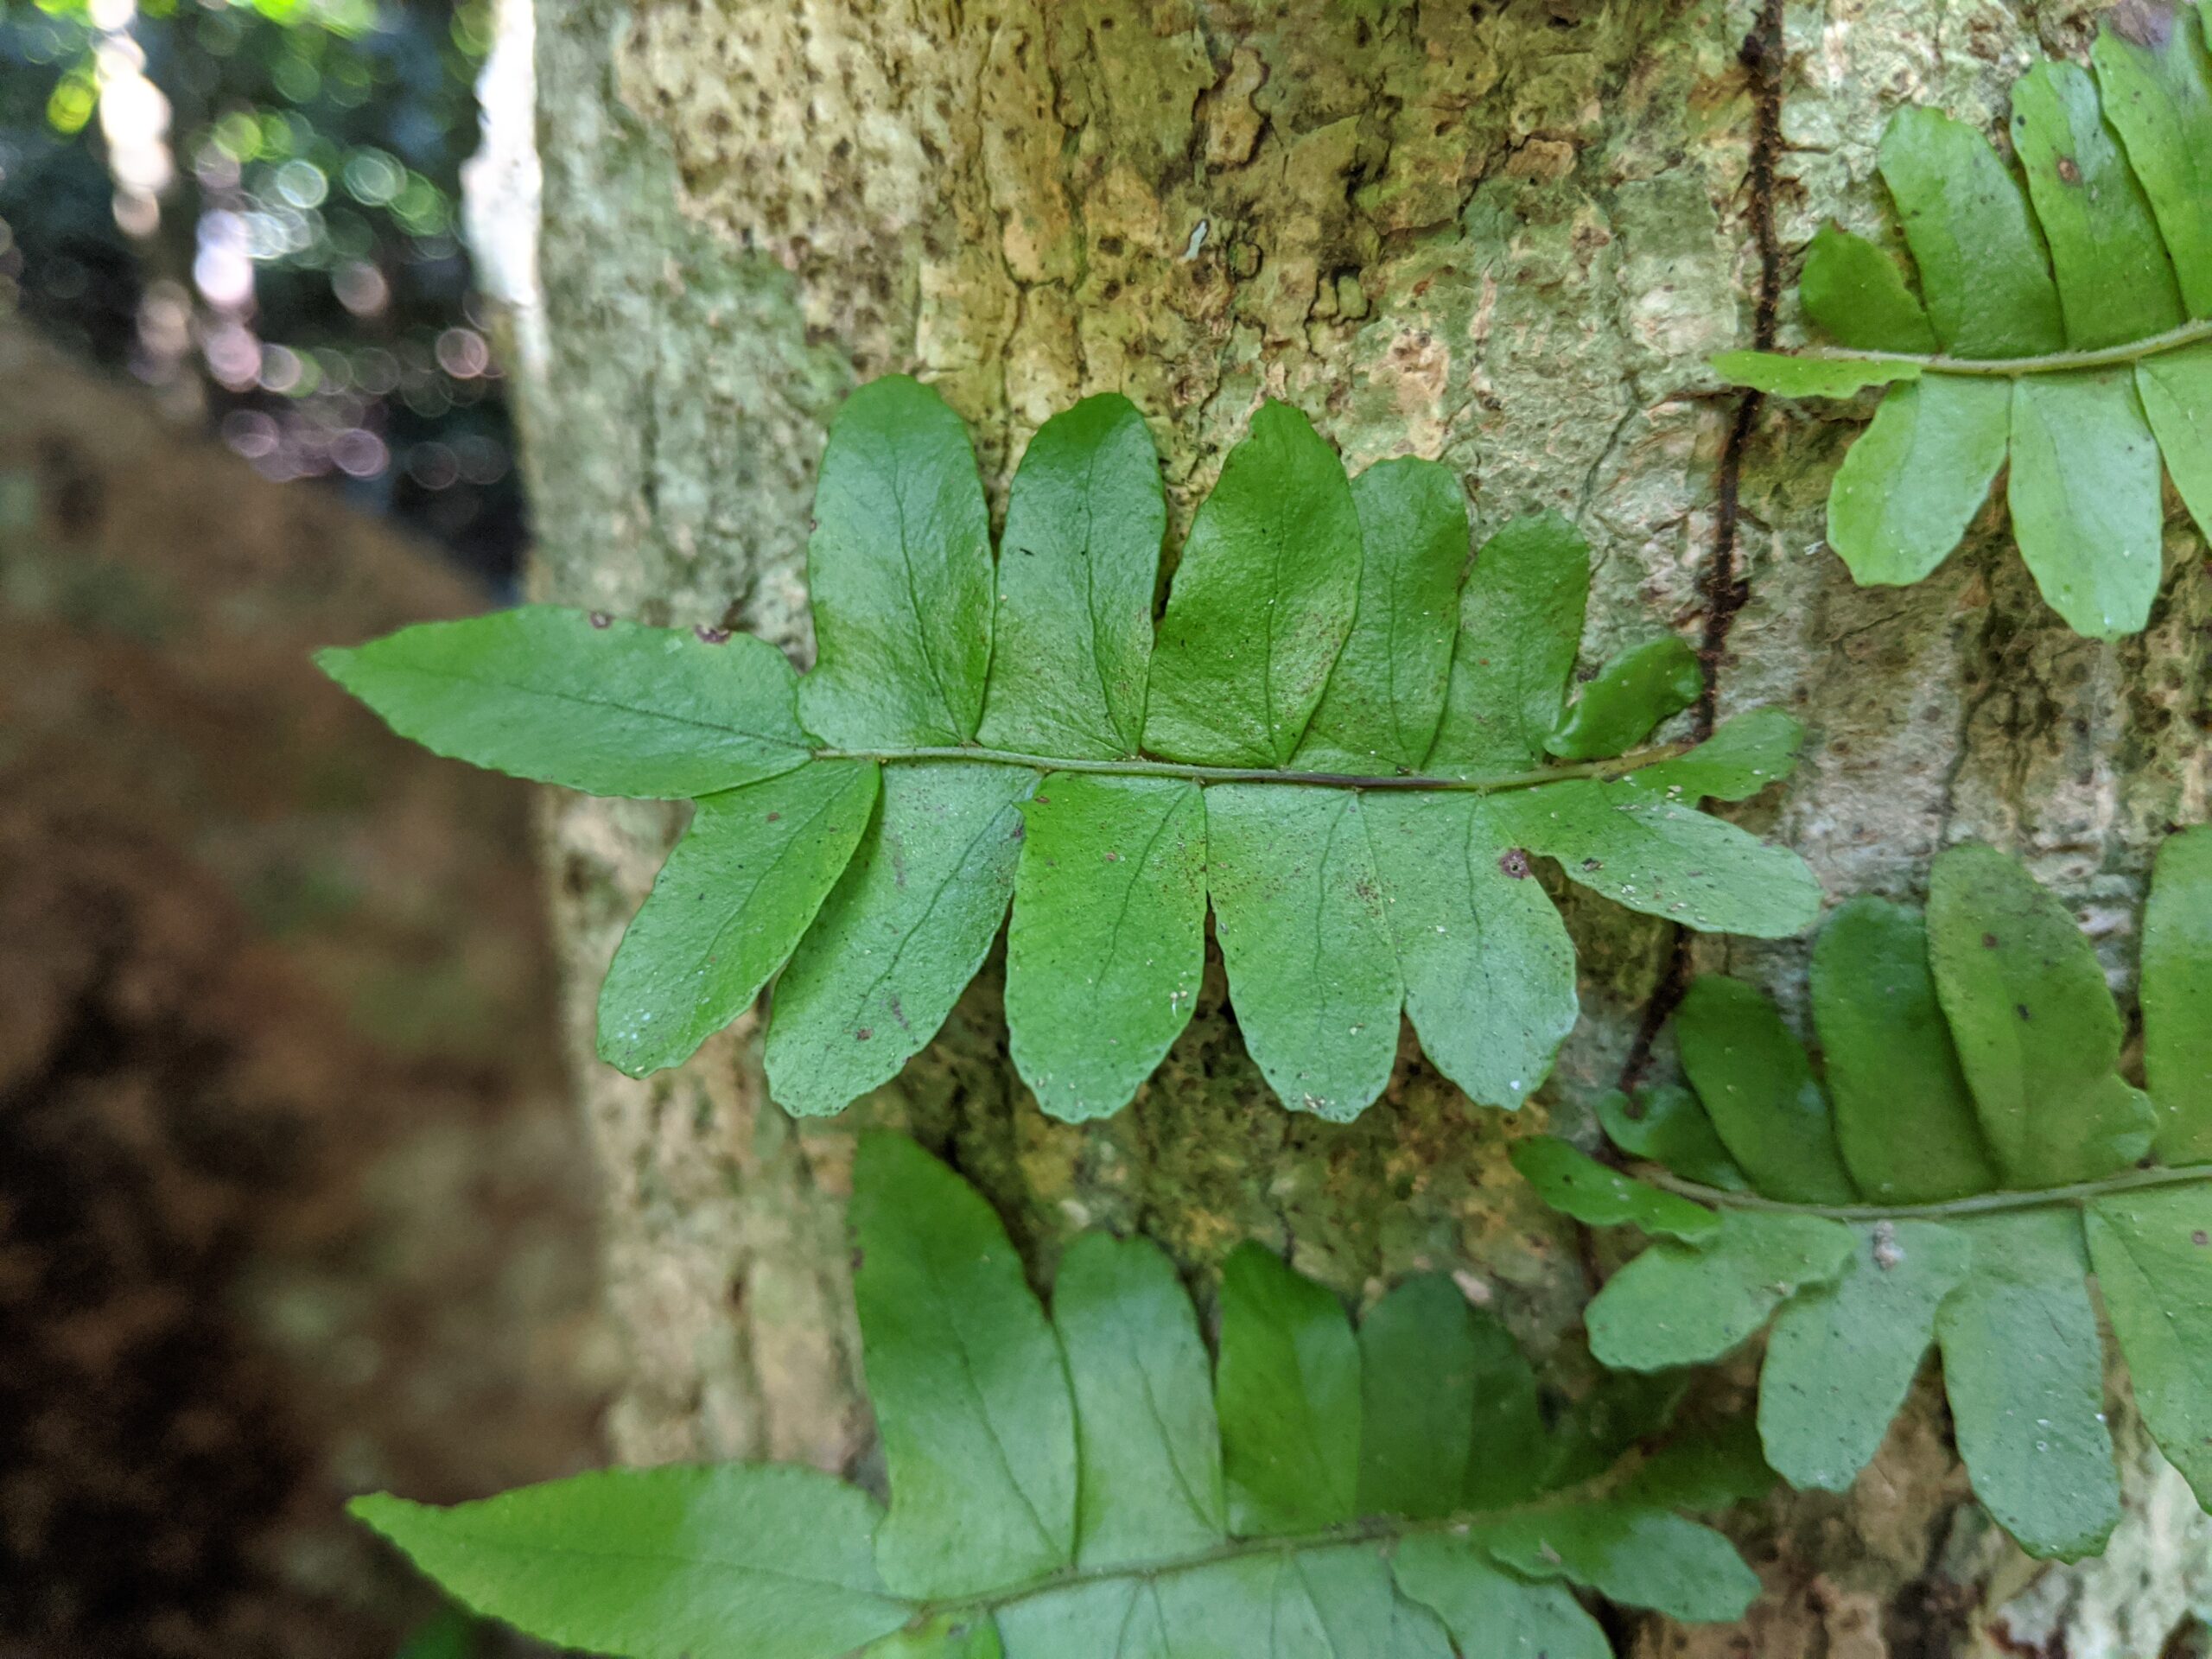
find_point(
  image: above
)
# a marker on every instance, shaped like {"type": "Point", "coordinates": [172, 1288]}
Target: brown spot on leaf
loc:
{"type": "Point", "coordinates": [602, 620]}
{"type": "Point", "coordinates": [2143, 23]}
{"type": "Point", "coordinates": [2068, 171]}
{"type": "Point", "coordinates": [1514, 863]}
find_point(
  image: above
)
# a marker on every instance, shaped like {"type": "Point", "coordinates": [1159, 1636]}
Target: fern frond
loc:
{"type": "Point", "coordinates": [1336, 737]}
{"type": "Point", "coordinates": [1973, 1153]}
{"type": "Point", "coordinates": [1090, 1484]}
{"type": "Point", "coordinates": [2066, 328]}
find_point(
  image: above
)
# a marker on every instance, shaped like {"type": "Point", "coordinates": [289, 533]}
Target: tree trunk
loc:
{"type": "Point", "coordinates": [1502, 234]}
{"type": "Point", "coordinates": [289, 1202]}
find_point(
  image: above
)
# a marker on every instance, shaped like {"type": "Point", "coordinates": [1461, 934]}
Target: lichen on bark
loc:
{"type": "Point", "coordinates": [1503, 235]}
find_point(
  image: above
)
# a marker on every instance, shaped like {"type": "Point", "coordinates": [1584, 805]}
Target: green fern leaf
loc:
{"type": "Point", "coordinates": [1577, 1184]}
{"type": "Point", "coordinates": [899, 570]}
{"type": "Point", "coordinates": [1632, 694]}
{"type": "Point", "coordinates": [1310, 1494]}
{"type": "Point", "coordinates": [1758, 1088]}
{"type": "Point", "coordinates": [1108, 932]}
{"type": "Point", "coordinates": [2176, 990]}
{"type": "Point", "coordinates": [1337, 733]}
{"type": "Point", "coordinates": [1385, 694]}
{"type": "Point", "coordinates": [1262, 602]}
{"type": "Point", "coordinates": [1071, 655]}
{"type": "Point", "coordinates": [1980, 1155]}
{"type": "Point", "coordinates": [1146, 1438]}
{"type": "Point", "coordinates": [1425, 1361]}
{"type": "Point", "coordinates": [657, 1562]}
{"type": "Point", "coordinates": [2152, 66]}
{"type": "Point", "coordinates": [2149, 1250]}
{"type": "Point", "coordinates": [1650, 853]}
{"type": "Point", "coordinates": [728, 908]}
{"type": "Point", "coordinates": [1491, 1608]}
{"type": "Point", "coordinates": [2067, 327]}
{"type": "Point", "coordinates": [2024, 1375]}
{"type": "Point", "coordinates": [971, 1389]}
{"type": "Point", "coordinates": [1487, 966]}
{"type": "Point", "coordinates": [1520, 616]}
{"type": "Point", "coordinates": [1883, 1031]}
{"type": "Point", "coordinates": [1666, 1126]}
{"type": "Point", "coordinates": [900, 936]}
{"type": "Point", "coordinates": [1290, 1396]}
{"type": "Point", "coordinates": [590, 702]}
{"type": "Point", "coordinates": [2037, 1029]}
{"type": "Point", "coordinates": [1645, 1558]}
{"type": "Point", "coordinates": [1855, 292]}
{"type": "Point", "coordinates": [1683, 1304]}
{"type": "Point", "coordinates": [1299, 915]}
{"type": "Point", "coordinates": [1843, 1354]}
{"type": "Point", "coordinates": [1742, 758]}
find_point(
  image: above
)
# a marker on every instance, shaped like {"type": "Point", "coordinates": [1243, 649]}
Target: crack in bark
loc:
{"type": "Point", "coordinates": [1761, 54]}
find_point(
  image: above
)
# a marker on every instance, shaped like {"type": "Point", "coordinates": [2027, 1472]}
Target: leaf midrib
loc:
{"type": "Point", "coordinates": [923, 634]}
{"type": "Point", "coordinates": [1496, 783]}
{"type": "Point", "coordinates": [951, 1312]}
{"type": "Point", "coordinates": [492, 1545]}
{"type": "Point", "coordinates": [954, 877]}
{"type": "Point", "coordinates": [1372, 1529]}
{"type": "Point", "coordinates": [2049, 1197]}
{"type": "Point", "coordinates": [516, 688]}
{"type": "Point", "coordinates": [2102, 357]}
{"type": "Point", "coordinates": [1111, 956]}
{"type": "Point", "coordinates": [1169, 1439]}
{"type": "Point", "coordinates": [1099, 631]}
{"type": "Point", "coordinates": [797, 842]}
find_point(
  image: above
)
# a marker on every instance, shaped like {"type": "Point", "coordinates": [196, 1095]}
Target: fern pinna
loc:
{"type": "Point", "coordinates": [1091, 1485]}
{"type": "Point", "coordinates": [1340, 734]}
{"type": "Point", "coordinates": [1975, 1152]}
{"type": "Point", "coordinates": [2068, 328]}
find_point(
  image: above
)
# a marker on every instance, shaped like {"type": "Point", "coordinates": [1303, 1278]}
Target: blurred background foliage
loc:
{"type": "Point", "coordinates": [252, 206]}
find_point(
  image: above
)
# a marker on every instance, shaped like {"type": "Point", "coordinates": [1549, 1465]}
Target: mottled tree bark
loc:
{"type": "Point", "coordinates": [1502, 234]}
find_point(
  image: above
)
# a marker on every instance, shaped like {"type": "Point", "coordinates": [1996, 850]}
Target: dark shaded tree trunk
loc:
{"type": "Point", "coordinates": [289, 1205]}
